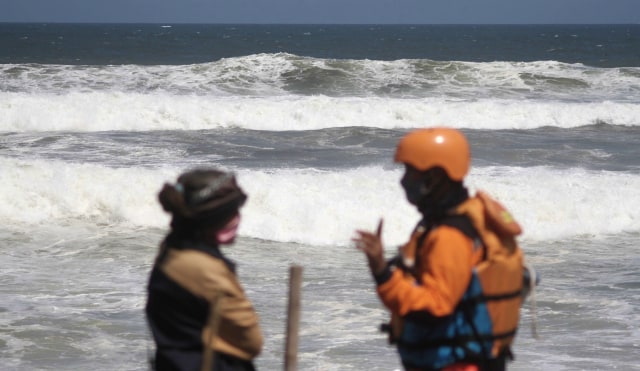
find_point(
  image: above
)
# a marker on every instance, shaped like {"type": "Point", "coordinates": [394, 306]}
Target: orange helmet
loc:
{"type": "Point", "coordinates": [444, 147]}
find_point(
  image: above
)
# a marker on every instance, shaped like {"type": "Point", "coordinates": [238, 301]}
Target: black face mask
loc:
{"type": "Point", "coordinates": [414, 189]}
{"type": "Point", "coordinates": [421, 192]}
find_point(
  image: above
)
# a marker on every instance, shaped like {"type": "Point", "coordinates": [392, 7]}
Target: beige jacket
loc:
{"type": "Point", "coordinates": [205, 276]}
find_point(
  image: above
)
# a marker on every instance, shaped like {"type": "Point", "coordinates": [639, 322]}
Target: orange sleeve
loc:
{"type": "Point", "coordinates": [446, 260]}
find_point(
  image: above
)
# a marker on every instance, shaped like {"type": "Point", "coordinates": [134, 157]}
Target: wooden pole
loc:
{"type": "Point", "coordinates": [293, 319]}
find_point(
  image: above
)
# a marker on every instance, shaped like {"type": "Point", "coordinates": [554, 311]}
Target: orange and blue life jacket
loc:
{"type": "Point", "coordinates": [483, 324]}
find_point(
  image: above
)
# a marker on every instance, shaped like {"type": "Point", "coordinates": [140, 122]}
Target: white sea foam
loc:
{"type": "Point", "coordinates": [283, 74]}
{"type": "Point", "coordinates": [38, 191]}
{"type": "Point", "coordinates": [139, 112]}
{"type": "Point", "coordinates": [318, 207]}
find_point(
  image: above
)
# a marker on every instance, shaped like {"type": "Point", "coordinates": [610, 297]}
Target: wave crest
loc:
{"type": "Point", "coordinates": [282, 74]}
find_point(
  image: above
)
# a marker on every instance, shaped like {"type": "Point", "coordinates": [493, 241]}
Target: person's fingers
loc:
{"type": "Point", "coordinates": [364, 236]}
{"type": "Point", "coordinates": [361, 233]}
{"type": "Point", "coordinates": [368, 242]}
{"type": "Point", "coordinates": [379, 231]}
{"type": "Point", "coordinates": [360, 243]}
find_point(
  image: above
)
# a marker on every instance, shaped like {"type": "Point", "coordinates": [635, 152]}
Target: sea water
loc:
{"type": "Point", "coordinates": [95, 118]}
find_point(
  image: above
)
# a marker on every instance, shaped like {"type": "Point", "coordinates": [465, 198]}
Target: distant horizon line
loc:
{"type": "Point", "coordinates": [320, 24]}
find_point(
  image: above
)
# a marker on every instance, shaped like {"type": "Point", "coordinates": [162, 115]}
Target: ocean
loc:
{"type": "Point", "coordinates": [94, 118]}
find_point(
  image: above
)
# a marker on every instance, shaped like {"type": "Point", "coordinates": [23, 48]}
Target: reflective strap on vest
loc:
{"type": "Point", "coordinates": [457, 341]}
{"type": "Point", "coordinates": [484, 298]}
{"type": "Point", "coordinates": [462, 340]}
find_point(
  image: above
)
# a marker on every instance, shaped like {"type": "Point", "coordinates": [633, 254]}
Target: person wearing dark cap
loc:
{"type": "Point", "coordinates": [198, 312]}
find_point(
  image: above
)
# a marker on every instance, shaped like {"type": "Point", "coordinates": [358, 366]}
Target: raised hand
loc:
{"type": "Point", "coordinates": [371, 244]}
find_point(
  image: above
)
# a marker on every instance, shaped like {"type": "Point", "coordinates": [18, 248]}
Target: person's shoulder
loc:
{"type": "Point", "coordinates": [450, 233]}
{"type": "Point", "coordinates": [197, 259]}
{"type": "Point", "coordinates": [199, 272]}
{"type": "Point", "coordinates": [461, 223]}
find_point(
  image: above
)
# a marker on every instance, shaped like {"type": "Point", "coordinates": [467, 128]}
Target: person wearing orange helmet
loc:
{"type": "Point", "coordinates": [455, 289]}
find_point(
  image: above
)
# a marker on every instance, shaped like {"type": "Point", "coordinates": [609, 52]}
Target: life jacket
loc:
{"type": "Point", "coordinates": [484, 323]}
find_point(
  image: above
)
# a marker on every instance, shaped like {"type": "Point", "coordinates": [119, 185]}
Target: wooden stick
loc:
{"type": "Point", "coordinates": [293, 319]}
{"type": "Point", "coordinates": [213, 323]}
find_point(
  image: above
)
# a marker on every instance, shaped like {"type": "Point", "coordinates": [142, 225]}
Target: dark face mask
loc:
{"type": "Point", "coordinates": [432, 195]}
{"type": "Point", "coordinates": [429, 191]}
{"type": "Point", "coordinates": [416, 185]}
{"type": "Point", "coordinates": [414, 189]}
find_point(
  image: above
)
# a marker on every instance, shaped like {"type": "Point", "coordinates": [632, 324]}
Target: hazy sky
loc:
{"type": "Point", "coordinates": [322, 11]}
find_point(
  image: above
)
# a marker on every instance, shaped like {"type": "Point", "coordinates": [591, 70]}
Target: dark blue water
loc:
{"type": "Point", "coordinates": [150, 44]}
